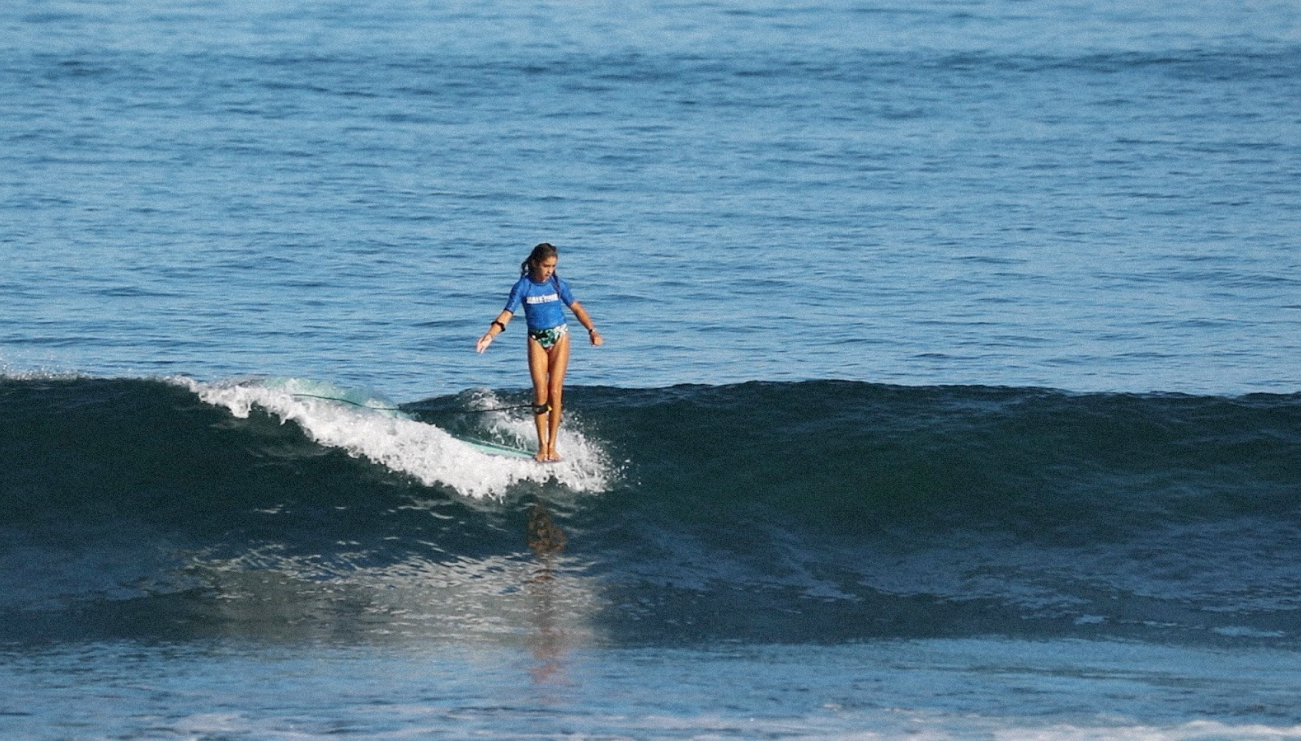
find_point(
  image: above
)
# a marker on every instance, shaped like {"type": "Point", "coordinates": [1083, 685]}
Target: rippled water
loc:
{"type": "Point", "coordinates": [1089, 196]}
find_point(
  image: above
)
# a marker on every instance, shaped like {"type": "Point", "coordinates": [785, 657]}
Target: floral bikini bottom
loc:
{"type": "Point", "coordinates": [548, 338]}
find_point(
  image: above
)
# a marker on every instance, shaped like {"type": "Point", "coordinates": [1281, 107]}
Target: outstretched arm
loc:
{"type": "Point", "coordinates": [587, 323]}
{"type": "Point", "coordinates": [497, 327]}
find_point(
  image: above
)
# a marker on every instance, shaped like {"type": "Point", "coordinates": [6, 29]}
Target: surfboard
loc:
{"type": "Point", "coordinates": [483, 446]}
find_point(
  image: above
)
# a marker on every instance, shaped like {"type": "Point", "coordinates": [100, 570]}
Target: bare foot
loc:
{"type": "Point", "coordinates": [547, 455]}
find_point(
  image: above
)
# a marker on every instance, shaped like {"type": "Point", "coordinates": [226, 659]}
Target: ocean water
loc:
{"type": "Point", "coordinates": [952, 384]}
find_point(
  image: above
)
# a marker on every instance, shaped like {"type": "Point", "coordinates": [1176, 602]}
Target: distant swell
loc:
{"type": "Point", "coordinates": [766, 511]}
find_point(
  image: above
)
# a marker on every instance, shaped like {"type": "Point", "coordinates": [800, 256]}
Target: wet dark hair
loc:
{"type": "Point", "coordinates": [539, 253]}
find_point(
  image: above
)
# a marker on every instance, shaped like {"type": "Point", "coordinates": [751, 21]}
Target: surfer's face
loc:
{"type": "Point", "coordinates": [542, 271]}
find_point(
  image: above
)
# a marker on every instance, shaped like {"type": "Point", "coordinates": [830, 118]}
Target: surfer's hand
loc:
{"type": "Point", "coordinates": [483, 343]}
{"type": "Point", "coordinates": [595, 337]}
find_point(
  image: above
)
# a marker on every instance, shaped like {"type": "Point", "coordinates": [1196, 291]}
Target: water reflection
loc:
{"type": "Point", "coordinates": [545, 538]}
{"type": "Point", "coordinates": [549, 642]}
{"type": "Point", "coordinates": [533, 598]}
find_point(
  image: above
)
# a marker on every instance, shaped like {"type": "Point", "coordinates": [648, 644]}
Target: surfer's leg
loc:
{"type": "Point", "coordinates": [558, 357]}
{"type": "Point", "coordinates": [539, 362]}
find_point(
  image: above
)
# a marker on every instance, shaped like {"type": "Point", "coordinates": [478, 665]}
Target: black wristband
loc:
{"type": "Point", "coordinates": [499, 324]}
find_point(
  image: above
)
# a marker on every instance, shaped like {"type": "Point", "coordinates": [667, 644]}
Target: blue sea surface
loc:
{"type": "Point", "coordinates": [1084, 196]}
{"type": "Point", "coordinates": [951, 385]}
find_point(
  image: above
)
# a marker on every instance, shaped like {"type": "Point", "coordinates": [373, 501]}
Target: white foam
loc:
{"type": "Point", "coordinates": [368, 427]}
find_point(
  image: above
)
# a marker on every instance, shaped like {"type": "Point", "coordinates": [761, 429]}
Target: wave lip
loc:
{"type": "Point", "coordinates": [370, 427]}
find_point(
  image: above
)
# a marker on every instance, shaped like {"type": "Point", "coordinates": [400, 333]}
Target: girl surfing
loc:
{"type": "Point", "coordinates": [542, 292]}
